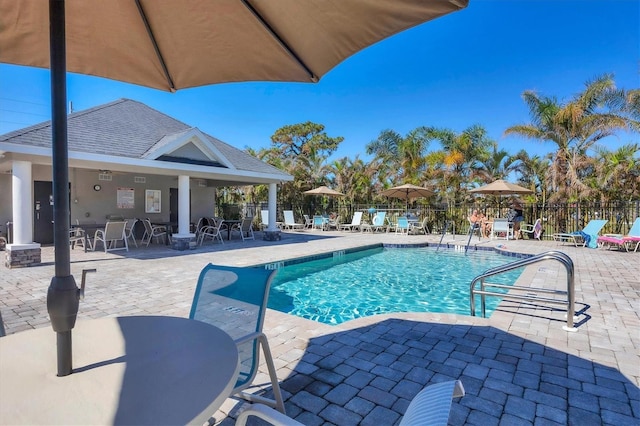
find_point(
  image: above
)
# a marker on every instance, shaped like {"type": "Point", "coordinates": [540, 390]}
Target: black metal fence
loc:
{"type": "Point", "coordinates": [567, 217]}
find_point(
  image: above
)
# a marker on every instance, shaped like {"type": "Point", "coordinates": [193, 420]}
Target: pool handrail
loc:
{"type": "Point", "coordinates": [549, 255]}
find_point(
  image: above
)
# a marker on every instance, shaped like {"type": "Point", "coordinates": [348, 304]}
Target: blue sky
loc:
{"type": "Point", "coordinates": [466, 68]}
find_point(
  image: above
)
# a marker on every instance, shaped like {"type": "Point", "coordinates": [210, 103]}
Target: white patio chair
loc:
{"type": "Point", "coordinates": [151, 231]}
{"type": "Point", "coordinates": [431, 406]}
{"type": "Point", "coordinates": [129, 230]}
{"type": "Point", "coordinates": [502, 226]}
{"type": "Point", "coordinates": [245, 228]}
{"type": "Point", "coordinates": [212, 231]}
{"type": "Point", "coordinates": [308, 222]}
{"type": "Point", "coordinates": [112, 233]}
{"type": "Point", "coordinates": [419, 227]}
{"type": "Point", "coordinates": [77, 237]}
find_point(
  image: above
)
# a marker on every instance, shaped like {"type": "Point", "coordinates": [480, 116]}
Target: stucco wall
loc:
{"type": "Point", "coordinates": [88, 204]}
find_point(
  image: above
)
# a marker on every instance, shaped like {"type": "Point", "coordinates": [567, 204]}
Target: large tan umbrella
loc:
{"type": "Point", "coordinates": [174, 44]}
{"type": "Point", "coordinates": [407, 192]}
{"type": "Point", "coordinates": [323, 190]}
{"type": "Point", "coordinates": [501, 188]}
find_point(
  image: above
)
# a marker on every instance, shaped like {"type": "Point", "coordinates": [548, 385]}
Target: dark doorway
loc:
{"type": "Point", "coordinates": [43, 212]}
{"type": "Point", "coordinates": [173, 205]}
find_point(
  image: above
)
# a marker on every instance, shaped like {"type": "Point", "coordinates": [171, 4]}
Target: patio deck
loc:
{"type": "Point", "coordinates": [518, 367]}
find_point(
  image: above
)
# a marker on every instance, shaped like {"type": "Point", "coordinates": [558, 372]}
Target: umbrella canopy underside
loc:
{"type": "Point", "coordinates": [170, 44]}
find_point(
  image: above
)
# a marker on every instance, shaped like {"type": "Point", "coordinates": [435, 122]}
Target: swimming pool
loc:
{"type": "Point", "coordinates": [383, 280]}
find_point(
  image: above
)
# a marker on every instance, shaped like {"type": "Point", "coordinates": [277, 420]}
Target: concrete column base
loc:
{"type": "Point", "coordinates": [183, 243]}
{"type": "Point", "coordinates": [21, 255]}
{"type": "Point", "coordinates": [272, 235]}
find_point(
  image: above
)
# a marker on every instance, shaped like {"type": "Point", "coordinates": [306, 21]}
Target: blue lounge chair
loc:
{"type": "Point", "coordinates": [235, 300]}
{"type": "Point", "coordinates": [587, 237]}
{"type": "Point", "coordinates": [377, 225]}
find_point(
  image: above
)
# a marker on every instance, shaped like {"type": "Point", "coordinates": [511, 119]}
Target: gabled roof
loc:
{"type": "Point", "coordinates": [132, 130]}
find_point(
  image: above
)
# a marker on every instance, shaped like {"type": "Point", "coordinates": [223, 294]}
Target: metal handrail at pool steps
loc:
{"type": "Point", "coordinates": [485, 288]}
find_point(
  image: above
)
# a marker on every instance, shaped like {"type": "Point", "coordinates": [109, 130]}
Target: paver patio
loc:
{"type": "Point", "coordinates": [518, 367]}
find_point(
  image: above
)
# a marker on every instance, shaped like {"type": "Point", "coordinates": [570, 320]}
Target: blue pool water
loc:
{"type": "Point", "coordinates": [376, 281]}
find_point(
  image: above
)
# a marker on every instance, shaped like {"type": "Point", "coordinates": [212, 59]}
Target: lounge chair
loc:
{"type": "Point", "coordinates": [534, 231]}
{"type": "Point", "coordinates": [235, 300]}
{"type": "Point", "coordinates": [377, 225]}
{"type": "Point", "coordinates": [355, 223]}
{"type": "Point", "coordinates": [289, 221]}
{"type": "Point", "coordinates": [587, 237]}
{"type": "Point", "coordinates": [264, 215]}
{"type": "Point", "coordinates": [626, 241]}
{"type": "Point", "coordinates": [431, 406]}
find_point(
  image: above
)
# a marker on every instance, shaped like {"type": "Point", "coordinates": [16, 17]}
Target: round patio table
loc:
{"type": "Point", "coordinates": [142, 370]}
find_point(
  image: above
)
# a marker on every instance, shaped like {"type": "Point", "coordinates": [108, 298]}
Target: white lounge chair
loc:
{"type": "Point", "coordinates": [289, 221]}
{"type": "Point", "coordinates": [355, 223]}
{"type": "Point", "coordinates": [431, 406]}
{"type": "Point", "coordinates": [264, 216]}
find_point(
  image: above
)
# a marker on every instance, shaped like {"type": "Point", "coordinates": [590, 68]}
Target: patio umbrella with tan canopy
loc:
{"type": "Point", "coordinates": [501, 188]}
{"type": "Point", "coordinates": [324, 190]}
{"type": "Point", "coordinates": [175, 44]}
{"type": "Point", "coordinates": [406, 192]}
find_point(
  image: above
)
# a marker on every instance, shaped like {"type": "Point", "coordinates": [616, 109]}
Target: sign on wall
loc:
{"type": "Point", "coordinates": [126, 198]}
{"type": "Point", "coordinates": [152, 201]}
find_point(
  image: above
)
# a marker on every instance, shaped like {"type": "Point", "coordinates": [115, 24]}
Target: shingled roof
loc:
{"type": "Point", "coordinates": [127, 128]}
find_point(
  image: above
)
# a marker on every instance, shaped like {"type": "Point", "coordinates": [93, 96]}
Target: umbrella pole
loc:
{"type": "Point", "coordinates": [63, 294]}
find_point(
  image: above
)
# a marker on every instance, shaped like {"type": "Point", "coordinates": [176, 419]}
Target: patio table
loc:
{"type": "Point", "coordinates": [230, 223]}
{"type": "Point", "coordinates": [128, 370]}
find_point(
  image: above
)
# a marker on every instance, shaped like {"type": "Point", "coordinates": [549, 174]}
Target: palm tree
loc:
{"type": "Point", "coordinates": [460, 154]}
{"type": "Point", "coordinates": [597, 112]}
{"type": "Point", "coordinates": [402, 157]}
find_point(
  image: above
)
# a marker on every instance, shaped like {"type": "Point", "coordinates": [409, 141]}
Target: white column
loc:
{"type": "Point", "coordinates": [184, 209]}
{"type": "Point", "coordinates": [273, 192]}
{"type": "Point", "coordinates": [22, 199]}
